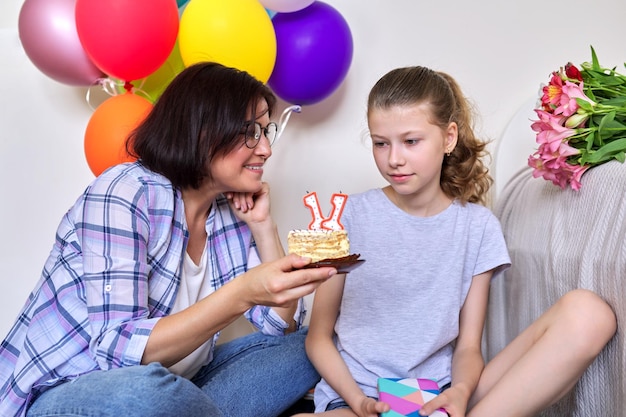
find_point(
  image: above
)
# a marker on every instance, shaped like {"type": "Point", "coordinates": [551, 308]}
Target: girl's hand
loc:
{"type": "Point", "coordinates": [251, 207]}
{"type": "Point", "coordinates": [452, 400]}
{"type": "Point", "coordinates": [369, 407]}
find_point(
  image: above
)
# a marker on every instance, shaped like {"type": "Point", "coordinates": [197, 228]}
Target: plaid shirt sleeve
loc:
{"type": "Point", "coordinates": [266, 319]}
{"type": "Point", "coordinates": [114, 235]}
{"type": "Point", "coordinates": [236, 253]}
{"type": "Point", "coordinates": [93, 308]}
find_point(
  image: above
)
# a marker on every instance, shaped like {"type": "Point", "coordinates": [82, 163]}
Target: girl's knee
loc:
{"type": "Point", "coordinates": [589, 314]}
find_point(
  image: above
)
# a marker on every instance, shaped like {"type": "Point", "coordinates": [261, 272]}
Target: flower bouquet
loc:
{"type": "Point", "coordinates": [581, 122]}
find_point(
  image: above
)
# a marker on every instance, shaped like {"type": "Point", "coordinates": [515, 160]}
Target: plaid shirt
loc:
{"type": "Point", "coordinates": [113, 272]}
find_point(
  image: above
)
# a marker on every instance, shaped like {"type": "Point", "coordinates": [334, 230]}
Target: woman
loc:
{"type": "Point", "coordinates": [155, 259]}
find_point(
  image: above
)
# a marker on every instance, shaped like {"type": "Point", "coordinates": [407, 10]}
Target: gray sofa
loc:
{"type": "Point", "coordinates": [560, 240]}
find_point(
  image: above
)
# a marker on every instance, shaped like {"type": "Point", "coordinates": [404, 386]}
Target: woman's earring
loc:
{"type": "Point", "coordinates": [448, 153]}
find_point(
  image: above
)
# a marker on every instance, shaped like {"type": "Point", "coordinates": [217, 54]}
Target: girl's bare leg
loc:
{"type": "Point", "coordinates": [547, 359]}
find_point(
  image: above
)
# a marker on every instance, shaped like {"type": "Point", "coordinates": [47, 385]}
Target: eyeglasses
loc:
{"type": "Point", "coordinates": [253, 130]}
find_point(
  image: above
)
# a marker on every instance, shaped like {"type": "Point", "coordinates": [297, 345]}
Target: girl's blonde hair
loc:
{"type": "Point", "coordinates": [464, 175]}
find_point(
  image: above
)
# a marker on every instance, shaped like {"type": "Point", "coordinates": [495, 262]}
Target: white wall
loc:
{"type": "Point", "coordinates": [500, 51]}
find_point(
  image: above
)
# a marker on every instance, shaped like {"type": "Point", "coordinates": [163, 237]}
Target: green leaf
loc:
{"type": "Point", "coordinates": [594, 59]}
{"type": "Point", "coordinates": [590, 139]}
{"type": "Point", "coordinates": [614, 125]}
{"type": "Point", "coordinates": [606, 120]}
{"type": "Point", "coordinates": [584, 104]}
{"type": "Point", "coordinates": [595, 120]}
{"type": "Point", "coordinates": [610, 80]}
{"type": "Point", "coordinates": [591, 95]}
{"type": "Point", "coordinates": [615, 101]}
{"type": "Point", "coordinates": [599, 78]}
{"type": "Point", "coordinates": [584, 156]}
{"type": "Point", "coordinates": [607, 152]}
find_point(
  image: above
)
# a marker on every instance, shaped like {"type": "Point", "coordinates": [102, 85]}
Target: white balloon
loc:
{"type": "Point", "coordinates": [286, 6]}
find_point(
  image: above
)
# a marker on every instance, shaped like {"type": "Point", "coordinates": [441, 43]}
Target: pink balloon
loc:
{"type": "Point", "coordinates": [47, 30]}
{"type": "Point", "coordinates": [127, 39]}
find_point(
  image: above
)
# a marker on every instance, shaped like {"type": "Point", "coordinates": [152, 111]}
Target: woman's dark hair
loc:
{"type": "Point", "coordinates": [199, 116]}
{"type": "Point", "coordinates": [464, 175]}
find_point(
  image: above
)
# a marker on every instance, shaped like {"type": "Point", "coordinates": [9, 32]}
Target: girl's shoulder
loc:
{"type": "Point", "coordinates": [475, 210]}
{"type": "Point", "coordinates": [374, 195]}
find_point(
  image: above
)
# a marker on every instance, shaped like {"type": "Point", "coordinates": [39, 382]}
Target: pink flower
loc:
{"type": "Point", "coordinates": [577, 173]}
{"type": "Point", "coordinates": [569, 93]}
{"type": "Point", "coordinates": [552, 92]}
{"type": "Point", "coordinates": [565, 150]}
{"type": "Point", "coordinates": [551, 130]}
{"type": "Point", "coordinates": [557, 171]}
{"type": "Point", "coordinates": [541, 170]}
{"type": "Point", "coordinates": [550, 159]}
{"type": "Point", "coordinates": [556, 159]}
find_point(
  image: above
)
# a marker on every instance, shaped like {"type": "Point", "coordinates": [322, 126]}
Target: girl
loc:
{"type": "Point", "coordinates": [417, 307]}
{"type": "Point", "coordinates": [154, 259]}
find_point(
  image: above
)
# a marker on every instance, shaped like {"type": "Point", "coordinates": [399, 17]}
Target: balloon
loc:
{"type": "Point", "coordinates": [235, 33]}
{"type": "Point", "coordinates": [154, 84]}
{"type": "Point", "coordinates": [108, 127]}
{"type": "Point", "coordinates": [286, 6]}
{"type": "Point", "coordinates": [181, 3]}
{"type": "Point", "coordinates": [47, 30]}
{"type": "Point", "coordinates": [314, 52]}
{"type": "Point", "coordinates": [127, 39]}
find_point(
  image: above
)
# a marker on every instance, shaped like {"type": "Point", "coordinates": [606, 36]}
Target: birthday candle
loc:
{"type": "Point", "coordinates": [333, 220]}
{"type": "Point", "coordinates": [310, 201]}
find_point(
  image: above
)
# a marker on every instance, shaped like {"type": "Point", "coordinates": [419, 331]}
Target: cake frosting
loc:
{"type": "Point", "coordinates": [319, 244]}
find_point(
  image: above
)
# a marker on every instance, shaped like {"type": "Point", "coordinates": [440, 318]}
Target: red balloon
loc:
{"type": "Point", "coordinates": [47, 31]}
{"type": "Point", "coordinates": [127, 39]}
{"type": "Point", "coordinates": [108, 128]}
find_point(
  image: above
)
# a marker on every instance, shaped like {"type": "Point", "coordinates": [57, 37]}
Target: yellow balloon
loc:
{"type": "Point", "coordinates": [235, 33]}
{"type": "Point", "coordinates": [154, 84]}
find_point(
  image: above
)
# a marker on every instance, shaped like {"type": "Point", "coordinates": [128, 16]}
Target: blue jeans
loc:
{"type": "Point", "coordinates": [255, 375]}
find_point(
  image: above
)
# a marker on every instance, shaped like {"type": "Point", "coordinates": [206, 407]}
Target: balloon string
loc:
{"type": "Point", "coordinates": [108, 85]}
{"type": "Point", "coordinates": [139, 89]}
{"type": "Point", "coordinates": [284, 119]}
{"type": "Point", "coordinates": [143, 93]}
{"type": "Point", "coordinates": [112, 87]}
{"type": "Point", "coordinates": [130, 88]}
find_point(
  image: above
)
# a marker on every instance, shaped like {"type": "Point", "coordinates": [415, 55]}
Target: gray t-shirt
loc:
{"type": "Point", "coordinates": [400, 310]}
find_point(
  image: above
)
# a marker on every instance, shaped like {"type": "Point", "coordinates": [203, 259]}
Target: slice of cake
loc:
{"type": "Point", "coordinates": [319, 244]}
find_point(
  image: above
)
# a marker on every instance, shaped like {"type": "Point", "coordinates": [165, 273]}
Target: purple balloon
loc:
{"type": "Point", "coordinates": [47, 30]}
{"type": "Point", "coordinates": [314, 52]}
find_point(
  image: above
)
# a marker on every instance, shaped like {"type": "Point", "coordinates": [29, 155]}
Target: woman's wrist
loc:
{"type": "Point", "coordinates": [267, 240]}
{"type": "Point", "coordinates": [263, 228]}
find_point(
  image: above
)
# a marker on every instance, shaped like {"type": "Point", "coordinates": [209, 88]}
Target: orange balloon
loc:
{"type": "Point", "coordinates": [108, 128]}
